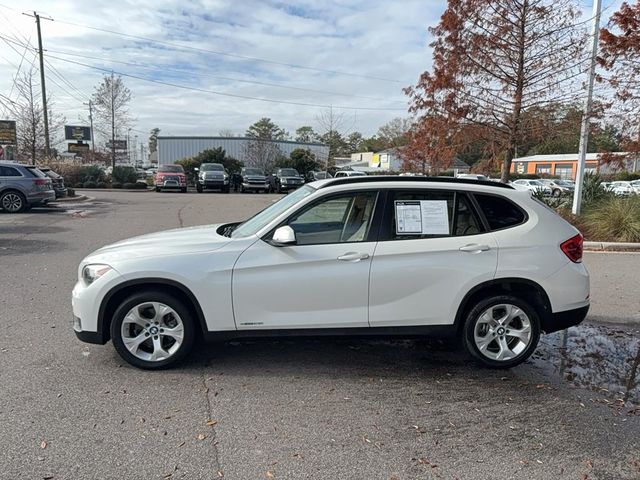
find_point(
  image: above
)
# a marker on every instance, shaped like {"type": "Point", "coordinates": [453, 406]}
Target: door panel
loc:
{"type": "Point", "coordinates": [302, 286]}
{"type": "Point", "coordinates": [422, 281]}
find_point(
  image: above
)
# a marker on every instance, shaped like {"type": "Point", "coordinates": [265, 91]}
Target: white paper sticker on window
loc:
{"type": "Point", "coordinates": [424, 217]}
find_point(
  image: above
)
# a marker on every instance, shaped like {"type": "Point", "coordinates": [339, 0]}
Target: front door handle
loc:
{"type": "Point", "coordinates": [475, 248]}
{"type": "Point", "coordinates": [353, 257]}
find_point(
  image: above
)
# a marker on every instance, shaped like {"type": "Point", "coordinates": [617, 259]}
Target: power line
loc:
{"type": "Point", "coordinates": [214, 92]}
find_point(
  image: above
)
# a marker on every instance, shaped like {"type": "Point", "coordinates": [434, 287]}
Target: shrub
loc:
{"type": "Point", "coordinates": [78, 185]}
{"type": "Point", "coordinates": [614, 219]}
{"type": "Point", "coordinates": [92, 173]}
{"type": "Point", "coordinates": [90, 184]}
{"type": "Point", "coordinates": [116, 185]}
{"type": "Point", "coordinates": [71, 192]}
{"type": "Point", "coordinates": [101, 185]}
{"type": "Point", "coordinates": [129, 185]}
{"type": "Point", "coordinates": [124, 175]}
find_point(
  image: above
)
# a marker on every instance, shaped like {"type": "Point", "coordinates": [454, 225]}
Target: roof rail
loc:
{"type": "Point", "coordinates": [396, 178]}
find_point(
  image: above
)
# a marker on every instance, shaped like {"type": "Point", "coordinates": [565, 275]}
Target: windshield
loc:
{"type": "Point", "coordinates": [253, 171]}
{"type": "Point", "coordinates": [536, 183]}
{"type": "Point", "coordinates": [211, 167]}
{"type": "Point", "coordinates": [171, 168]}
{"type": "Point", "coordinates": [255, 223]}
{"type": "Point", "coordinates": [288, 172]}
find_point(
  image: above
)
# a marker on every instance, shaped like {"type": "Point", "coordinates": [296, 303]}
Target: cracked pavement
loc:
{"type": "Point", "coordinates": [283, 408]}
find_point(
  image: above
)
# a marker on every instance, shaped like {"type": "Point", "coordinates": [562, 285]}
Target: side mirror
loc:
{"type": "Point", "coordinates": [284, 236]}
{"type": "Point", "coordinates": [196, 169]}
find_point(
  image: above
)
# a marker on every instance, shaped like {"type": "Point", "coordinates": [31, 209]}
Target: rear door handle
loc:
{"type": "Point", "coordinates": [475, 248]}
{"type": "Point", "coordinates": [353, 257]}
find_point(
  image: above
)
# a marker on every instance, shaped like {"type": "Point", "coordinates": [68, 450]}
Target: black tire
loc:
{"type": "Point", "coordinates": [157, 189]}
{"type": "Point", "coordinates": [468, 331]}
{"type": "Point", "coordinates": [183, 190]}
{"type": "Point", "coordinates": [198, 188]}
{"type": "Point", "coordinates": [14, 200]}
{"type": "Point", "coordinates": [180, 308]}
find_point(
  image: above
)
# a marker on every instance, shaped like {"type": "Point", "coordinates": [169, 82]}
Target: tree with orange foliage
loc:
{"type": "Point", "coordinates": [493, 60]}
{"type": "Point", "coordinates": [620, 57]}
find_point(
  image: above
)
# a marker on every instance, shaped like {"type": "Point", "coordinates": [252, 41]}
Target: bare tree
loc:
{"type": "Point", "coordinates": [394, 133]}
{"type": "Point", "coordinates": [333, 128]}
{"type": "Point", "coordinates": [262, 154]}
{"type": "Point", "coordinates": [494, 59]}
{"type": "Point", "coordinates": [111, 101]}
{"type": "Point", "coordinates": [29, 115]}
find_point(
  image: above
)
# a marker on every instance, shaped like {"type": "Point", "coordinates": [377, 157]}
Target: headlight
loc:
{"type": "Point", "coordinates": [91, 273]}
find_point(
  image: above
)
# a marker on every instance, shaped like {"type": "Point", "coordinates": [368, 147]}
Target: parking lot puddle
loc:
{"type": "Point", "coordinates": [600, 358]}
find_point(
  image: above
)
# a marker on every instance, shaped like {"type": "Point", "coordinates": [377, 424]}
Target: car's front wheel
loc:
{"type": "Point", "coordinates": [501, 331]}
{"type": "Point", "coordinates": [152, 330]}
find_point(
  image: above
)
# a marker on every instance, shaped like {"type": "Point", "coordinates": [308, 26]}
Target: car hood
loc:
{"type": "Point", "coordinates": [291, 178]}
{"type": "Point", "coordinates": [170, 242]}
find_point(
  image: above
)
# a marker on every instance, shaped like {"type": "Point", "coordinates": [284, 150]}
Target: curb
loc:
{"type": "Point", "coordinates": [140, 190]}
{"type": "Point", "coordinates": [77, 198]}
{"type": "Point", "coordinates": [611, 247]}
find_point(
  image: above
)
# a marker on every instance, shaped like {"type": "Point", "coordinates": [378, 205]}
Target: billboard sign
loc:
{"type": "Point", "coordinates": [7, 132]}
{"type": "Point", "coordinates": [73, 132]}
{"type": "Point", "coordinates": [117, 144]}
{"type": "Point", "coordinates": [78, 147]}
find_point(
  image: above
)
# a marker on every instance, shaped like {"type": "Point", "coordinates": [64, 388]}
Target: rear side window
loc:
{"type": "Point", "coordinates": [35, 172]}
{"type": "Point", "coordinates": [9, 172]}
{"type": "Point", "coordinates": [499, 212]}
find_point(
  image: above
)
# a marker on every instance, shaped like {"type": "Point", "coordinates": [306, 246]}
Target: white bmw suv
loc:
{"type": "Point", "coordinates": [395, 256]}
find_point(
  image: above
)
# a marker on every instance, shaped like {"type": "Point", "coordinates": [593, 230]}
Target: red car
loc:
{"type": "Point", "coordinates": [171, 177]}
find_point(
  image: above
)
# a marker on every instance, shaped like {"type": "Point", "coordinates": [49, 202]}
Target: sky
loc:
{"type": "Point", "coordinates": [301, 57]}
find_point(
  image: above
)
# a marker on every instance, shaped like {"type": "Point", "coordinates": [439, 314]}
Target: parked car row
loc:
{"type": "Point", "coordinates": [623, 188]}
{"type": "Point", "coordinates": [547, 187]}
{"type": "Point", "coordinates": [25, 186]}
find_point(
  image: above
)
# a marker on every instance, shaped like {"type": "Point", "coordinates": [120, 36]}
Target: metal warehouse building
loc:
{"type": "Point", "coordinates": [171, 149]}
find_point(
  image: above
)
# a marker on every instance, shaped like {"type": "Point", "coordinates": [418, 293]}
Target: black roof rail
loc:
{"type": "Point", "coordinates": [396, 178]}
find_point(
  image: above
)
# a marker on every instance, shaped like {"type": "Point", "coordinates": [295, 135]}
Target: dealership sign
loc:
{"type": "Point", "coordinates": [73, 132]}
{"type": "Point", "coordinates": [7, 132]}
{"type": "Point", "coordinates": [78, 147]}
{"type": "Point", "coordinates": [117, 144]}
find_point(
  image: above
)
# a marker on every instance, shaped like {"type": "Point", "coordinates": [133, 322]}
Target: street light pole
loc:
{"type": "Point", "coordinates": [586, 116]}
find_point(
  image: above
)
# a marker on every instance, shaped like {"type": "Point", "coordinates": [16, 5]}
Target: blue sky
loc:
{"type": "Point", "coordinates": [374, 38]}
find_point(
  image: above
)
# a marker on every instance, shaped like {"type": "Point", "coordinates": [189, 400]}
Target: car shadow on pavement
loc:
{"type": "Point", "coordinates": [23, 246]}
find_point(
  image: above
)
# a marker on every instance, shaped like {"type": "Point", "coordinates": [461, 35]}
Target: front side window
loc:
{"type": "Point", "coordinates": [499, 212]}
{"type": "Point", "coordinates": [338, 219]}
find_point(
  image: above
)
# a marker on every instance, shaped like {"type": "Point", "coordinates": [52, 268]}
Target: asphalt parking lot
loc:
{"type": "Point", "coordinates": [295, 408]}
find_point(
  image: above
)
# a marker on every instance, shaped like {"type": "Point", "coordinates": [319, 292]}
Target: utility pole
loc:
{"type": "Point", "coordinates": [93, 145]}
{"type": "Point", "coordinates": [47, 147]}
{"type": "Point", "coordinates": [586, 116]}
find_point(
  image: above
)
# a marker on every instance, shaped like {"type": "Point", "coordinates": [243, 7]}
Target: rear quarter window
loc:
{"type": "Point", "coordinates": [499, 212]}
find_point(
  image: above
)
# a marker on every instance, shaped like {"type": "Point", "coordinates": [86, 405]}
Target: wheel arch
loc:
{"type": "Point", "coordinates": [117, 294]}
{"type": "Point", "coordinates": [528, 290]}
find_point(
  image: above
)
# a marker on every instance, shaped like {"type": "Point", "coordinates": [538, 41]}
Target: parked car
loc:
{"type": "Point", "coordinates": [557, 187]}
{"type": "Point", "coordinates": [56, 180]}
{"type": "Point", "coordinates": [212, 176]}
{"type": "Point", "coordinates": [285, 179]}
{"type": "Point", "coordinates": [472, 176]}
{"type": "Point", "coordinates": [533, 186]}
{"type": "Point", "coordinates": [349, 173]}
{"type": "Point", "coordinates": [23, 187]}
{"type": "Point", "coordinates": [396, 255]}
{"type": "Point", "coordinates": [636, 186]}
{"type": "Point", "coordinates": [313, 176]}
{"type": "Point", "coordinates": [253, 180]}
{"type": "Point", "coordinates": [621, 188]}
{"type": "Point", "coordinates": [171, 177]}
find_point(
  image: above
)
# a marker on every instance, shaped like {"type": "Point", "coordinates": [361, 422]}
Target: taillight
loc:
{"type": "Point", "coordinates": [42, 181]}
{"type": "Point", "coordinates": [572, 248]}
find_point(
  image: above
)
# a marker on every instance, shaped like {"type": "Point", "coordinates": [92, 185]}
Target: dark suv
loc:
{"type": "Point", "coordinates": [22, 187]}
{"type": "Point", "coordinates": [56, 180]}
{"type": "Point", "coordinates": [285, 179]}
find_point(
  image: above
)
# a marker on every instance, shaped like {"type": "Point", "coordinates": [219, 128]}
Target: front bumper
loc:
{"type": "Point", "coordinates": [561, 320]}
{"type": "Point", "coordinates": [255, 186]}
{"type": "Point", "coordinates": [214, 183]}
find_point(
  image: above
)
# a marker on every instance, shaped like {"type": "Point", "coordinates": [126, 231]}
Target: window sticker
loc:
{"type": "Point", "coordinates": [424, 217]}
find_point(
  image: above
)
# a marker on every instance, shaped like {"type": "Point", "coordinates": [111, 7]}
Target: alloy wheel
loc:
{"type": "Point", "coordinates": [502, 332]}
{"type": "Point", "coordinates": [152, 331]}
{"type": "Point", "coordinates": [12, 202]}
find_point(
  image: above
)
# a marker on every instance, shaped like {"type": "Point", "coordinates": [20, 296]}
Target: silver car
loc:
{"type": "Point", "coordinates": [23, 186]}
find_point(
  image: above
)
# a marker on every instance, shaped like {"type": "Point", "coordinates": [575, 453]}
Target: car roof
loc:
{"type": "Point", "coordinates": [394, 180]}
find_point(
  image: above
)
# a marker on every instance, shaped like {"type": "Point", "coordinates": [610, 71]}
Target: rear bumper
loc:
{"type": "Point", "coordinates": [41, 197]}
{"type": "Point", "coordinates": [561, 320]}
{"type": "Point", "coordinates": [91, 337]}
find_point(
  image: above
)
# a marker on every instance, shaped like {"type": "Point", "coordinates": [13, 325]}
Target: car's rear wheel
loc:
{"type": "Point", "coordinates": [13, 202]}
{"type": "Point", "coordinates": [152, 330]}
{"type": "Point", "coordinates": [501, 331]}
